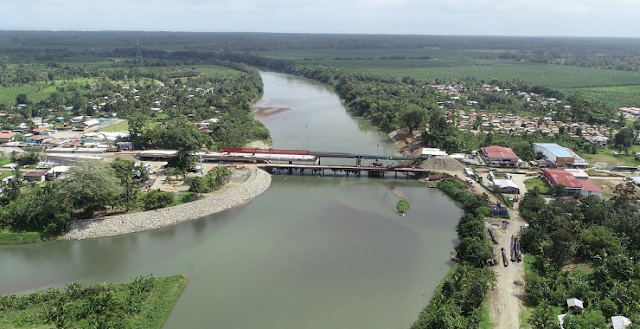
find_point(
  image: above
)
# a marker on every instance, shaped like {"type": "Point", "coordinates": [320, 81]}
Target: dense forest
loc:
{"type": "Point", "coordinates": [609, 53]}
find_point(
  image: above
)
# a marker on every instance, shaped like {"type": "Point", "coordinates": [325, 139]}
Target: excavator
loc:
{"type": "Point", "coordinates": [110, 147]}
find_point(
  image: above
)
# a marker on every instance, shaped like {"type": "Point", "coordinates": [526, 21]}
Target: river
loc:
{"type": "Point", "coordinates": [309, 253]}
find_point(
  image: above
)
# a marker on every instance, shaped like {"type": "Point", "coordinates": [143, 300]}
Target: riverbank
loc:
{"type": "Point", "coordinates": [244, 185]}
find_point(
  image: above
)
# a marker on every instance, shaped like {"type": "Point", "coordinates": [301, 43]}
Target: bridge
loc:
{"type": "Point", "coordinates": [278, 161]}
{"type": "Point", "coordinates": [374, 170]}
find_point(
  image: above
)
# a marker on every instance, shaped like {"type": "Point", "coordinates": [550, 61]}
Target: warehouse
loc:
{"type": "Point", "coordinates": [500, 156]}
{"type": "Point", "coordinates": [556, 154]}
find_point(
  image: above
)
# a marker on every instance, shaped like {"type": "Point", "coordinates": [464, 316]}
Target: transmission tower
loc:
{"type": "Point", "coordinates": [138, 54]}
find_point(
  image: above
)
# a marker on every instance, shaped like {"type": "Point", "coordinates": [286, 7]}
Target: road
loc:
{"type": "Point", "coordinates": [505, 300]}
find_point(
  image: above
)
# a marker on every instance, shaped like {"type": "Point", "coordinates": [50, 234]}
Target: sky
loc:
{"type": "Point", "coordinates": [592, 18]}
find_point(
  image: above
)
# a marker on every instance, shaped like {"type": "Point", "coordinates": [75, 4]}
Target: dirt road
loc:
{"type": "Point", "coordinates": [505, 299]}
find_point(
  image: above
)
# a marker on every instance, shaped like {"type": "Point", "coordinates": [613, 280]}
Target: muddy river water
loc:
{"type": "Point", "coordinates": [309, 253]}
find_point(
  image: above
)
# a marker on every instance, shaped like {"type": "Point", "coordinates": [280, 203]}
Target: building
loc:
{"type": "Point", "coordinates": [620, 322]}
{"type": "Point", "coordinates": [7, 136]}
{"type": "Point", "coordinates": [506, 186]}
{"type": "Point", "coordinates": [500, 156]}
{"type": "Point", "coordinates": [590, 188]}
{"type": "Point", "coordinates": [579, 174]}
{"type": "Point", "coordinates": [57, 171]}
{"type": "Point", "coordinates": [429, 152]}
{"type": "Point", "coordinates": [37, 139]}
{"type": "Point", "coordinates": [555, 153]}
{"type": "Point", "coordinates": [561, 320]}
{"type": "Point", "coordinates": [630, 111]}
{"type": "Point", "coordinates": [575, 305]}
{"type": "Point", "coordinates": [560, 176]}
{"type": "Point", "coordinates": [35, 176]}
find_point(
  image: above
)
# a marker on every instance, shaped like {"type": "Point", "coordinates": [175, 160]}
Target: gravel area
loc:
{"type": "Point", "coordinates": [244, 185]}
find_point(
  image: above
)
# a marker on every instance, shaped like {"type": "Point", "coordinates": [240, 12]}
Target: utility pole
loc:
{"type": "Point", "coordinates": [138, 54]}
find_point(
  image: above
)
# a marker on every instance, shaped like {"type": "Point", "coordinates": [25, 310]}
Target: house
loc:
{"type": "Point", "coordinates": [428, 152]}
{"type": "Point", "coordinates": [506, 186]}
{"type": "Point", "coordinates": [575, 305]}
{"type": "Point", "coordinates": [561, 320]}
{"type": "Point", "coordinates": [556, 154]}
{"type": "Point", "coordinates": [560, 176]}
{"type": "Point", "coordinates": [35, 176]}
{"type": "Point", "coordinates": [40, 131]}
{"type": "Point", "coordinates": [91, 123]}
{"type": "Point", "coordinates": [620, 322]}
{"type": "Point", "coordinates": [589, 188]}
{"type": "Point", "coordinates": [7, 136]}
{"type": "Point", "coordinates": [56, 172]}
{"type": "Point", "coordinates": [500, 156]}
{"type": "Point", "coordinates": [37, 139]}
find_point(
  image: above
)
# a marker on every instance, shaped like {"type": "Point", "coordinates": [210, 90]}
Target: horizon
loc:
{"type": "Point", "coordinates": [333, 34]}
{"type": "Point", "coordinates": [517, 18]}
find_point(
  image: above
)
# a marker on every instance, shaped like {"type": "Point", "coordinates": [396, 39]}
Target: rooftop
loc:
{"type": "Point", "coordinates": [555, 149]}
{"type": "Point", "coordinates": [589, 186]}
{"type": "Point", "coordinates": [499, 152]}
{"type": "Point", "coordinates": [560, 176]}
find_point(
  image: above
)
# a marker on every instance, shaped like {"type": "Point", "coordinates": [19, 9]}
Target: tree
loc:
{"type": "Point", "coordinates": [21, 99]}
{"type": "Point", "coordinates": [91, 186]}
{"type": "Point", "coordinates": [624, 139]}
{"type": "Point", "coordinates": [543, 317]}
{"type": "Point", "coordinates": [413, 117]}
{"type": "Point", "coordinates": [124, 170]}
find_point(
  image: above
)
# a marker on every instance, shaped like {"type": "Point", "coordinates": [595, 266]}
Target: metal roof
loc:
{"type": "Point", "coordinates": [555, 149]}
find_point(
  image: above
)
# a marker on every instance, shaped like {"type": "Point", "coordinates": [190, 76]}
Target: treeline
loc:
{"type": "Point", "coordinates": [583, 250]}
{"type": "Point", "coordinates": [143, 303]}
{"type": "Point", "coordinates": [89, 188]}
{"type": "Point", "coordinates": [456, 304]}
{"type": "Point", "coordinates": [606, 53]}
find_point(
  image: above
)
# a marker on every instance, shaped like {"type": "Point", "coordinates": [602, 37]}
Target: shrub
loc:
{"type": "Point", "coordinates": [157, 199]}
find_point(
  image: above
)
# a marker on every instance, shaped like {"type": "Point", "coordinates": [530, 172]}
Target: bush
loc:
{"type": "Point", "coordinates": [403, 205]}
{"type": "Point", "coordinates": [157, 199]}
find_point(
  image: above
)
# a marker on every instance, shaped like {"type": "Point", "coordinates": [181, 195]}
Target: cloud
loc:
{"type": "Point", "coordinates": [467, 17]}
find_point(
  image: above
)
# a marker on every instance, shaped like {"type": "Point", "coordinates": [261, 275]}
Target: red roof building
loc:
{"type": "Point", "coordinates": [500, 156]}
{"type": "Point", "coordinates": [590, 188]}
{"type": "Point", "coordinates": [7, 136]}
{"type": "Point", "coordinates": [559, 176]}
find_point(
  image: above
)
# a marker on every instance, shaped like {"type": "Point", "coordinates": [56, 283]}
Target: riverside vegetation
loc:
{"type": "Point", "coordinates": [144, 303]}
{"type": "Point", "coordinates": [458, 301]}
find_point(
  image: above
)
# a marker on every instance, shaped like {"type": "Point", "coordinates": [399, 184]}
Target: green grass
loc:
{"type": "Point", "coordinates": [4, 160]}
{"type": "Point", "coordinates": [485, 318]}
{"type": "Point", "coordinates": [9, 237]}
{"type": "Point", "coordinates": [160, 302]}
{"type": "Point", "coordinates": [531, 183]}
{"type": "Point", "coordinates": [121, 126]}
{"type": "Point", "coordinates": [584, 269]}
{"type": "Point", "coordinates": [613, 157]}
{"type": "Point", "coordinates": [38, 91]}
{"type": "Point", "coordinates": [625, 96]}
{"type": "Point", "coordinates": [183, 197]}
{"type": "Point", "coordinates": [154, 309]}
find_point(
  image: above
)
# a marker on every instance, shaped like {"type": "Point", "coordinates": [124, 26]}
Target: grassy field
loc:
{"type": "Point", "coordinates": [121, 126]}
{"type": "Point", "coordinates": [531, 183]}
{"type": "Point", "coordinates": [9, 237]}
{"type": "Point", "coordinates": [154, 309]}
{"type": "Point", "coordinates": [612, 157]}
{"type": "Point", "coordinates": [37, 91]}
